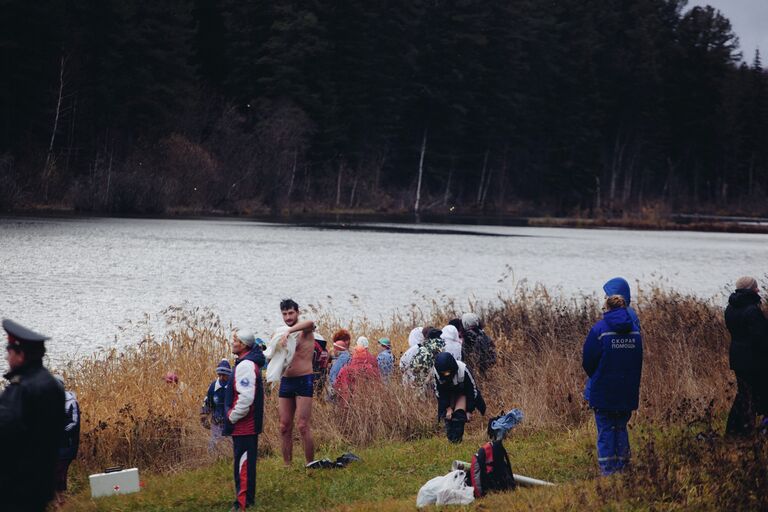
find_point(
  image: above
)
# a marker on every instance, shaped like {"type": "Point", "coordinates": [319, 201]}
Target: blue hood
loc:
{"type": "Point", "coordinates": [618, 286]}
{"type": "Point", "coordinates": [619, 320]}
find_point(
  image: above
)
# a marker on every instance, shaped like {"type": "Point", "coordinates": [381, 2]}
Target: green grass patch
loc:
{"type": "Point", "coordinates": [674, 468]}
{"type": "Point", "coordinates": [388, 478]}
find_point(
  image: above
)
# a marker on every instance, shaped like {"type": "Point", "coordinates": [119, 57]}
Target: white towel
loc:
{"type": "Point", "coordinates": [279, 357]}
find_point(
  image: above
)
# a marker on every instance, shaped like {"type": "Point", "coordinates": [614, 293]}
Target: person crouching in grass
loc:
{"type": "Point", "coordinates": [457, 395]}
{"type": "Point", "coordinates": [613, 360]}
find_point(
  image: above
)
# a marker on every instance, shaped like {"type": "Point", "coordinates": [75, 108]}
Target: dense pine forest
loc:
{"type": "Point", "coordinates": [566, 107]}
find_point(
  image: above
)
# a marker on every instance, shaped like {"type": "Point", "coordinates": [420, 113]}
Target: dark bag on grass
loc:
{"type": "Point", "coordinates": [490, 470]}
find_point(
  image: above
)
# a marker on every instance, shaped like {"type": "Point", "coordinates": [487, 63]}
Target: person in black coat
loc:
{"type": "Point", "coordinates": [748, 356]}
{"type": "Point", "coordinates": [31, 423]}
{"type": "Point", "coordinates": [457, 394]}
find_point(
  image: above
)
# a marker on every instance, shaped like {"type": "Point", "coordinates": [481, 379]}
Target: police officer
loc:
{"type": "Point", "coordinates": [31, 422]}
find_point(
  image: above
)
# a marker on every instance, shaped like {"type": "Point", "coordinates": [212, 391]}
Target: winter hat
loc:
{"type": "Point", "coordinates": [470, 320]}
{"type": "Point", "coordinates": [746, 283]}
{"type": "Point", "coordinates": [445, 362]}
{"type": "Point", "coordinates": [434, 334]}
{"type": "Point", "coordinates": [416, 337]}
{"type": "Point", "coordinates": [246, 337]}
{"type": "Point", "coordinates": [362, 341]}
{"type": "Point", "coordinates": [450, 334]}
{"type": "Point", "coordinates": [384, 342]}
{"type": "Point", "coordinates": [224, 368]}
{"type": "Point", "coordinates": [618, 286]}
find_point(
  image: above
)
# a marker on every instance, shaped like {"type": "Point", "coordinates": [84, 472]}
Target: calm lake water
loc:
{"type": "Point", "coordinates": [77, 280]}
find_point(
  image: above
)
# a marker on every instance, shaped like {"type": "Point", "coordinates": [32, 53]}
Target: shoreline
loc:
{"type": "Point", "coordinates": [704, 223]}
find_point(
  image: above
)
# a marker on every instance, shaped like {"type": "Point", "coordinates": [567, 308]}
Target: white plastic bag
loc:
{"type": "Point", "coordinates": [446, 490]}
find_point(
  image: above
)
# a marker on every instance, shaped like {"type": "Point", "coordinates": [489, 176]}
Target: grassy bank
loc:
{"type": "Point", "coordinates": [389, 477]}
{"type": "Point", "coordinates": [674, 469]}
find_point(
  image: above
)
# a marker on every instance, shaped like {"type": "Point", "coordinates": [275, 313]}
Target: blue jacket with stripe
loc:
{"type": "Point", "coordinates": [613, 360]}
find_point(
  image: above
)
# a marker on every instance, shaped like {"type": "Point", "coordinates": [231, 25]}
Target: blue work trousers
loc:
{"type": "Point", "coordinates": [612, 440]}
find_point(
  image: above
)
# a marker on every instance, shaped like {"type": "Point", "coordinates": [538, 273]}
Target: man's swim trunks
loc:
{"type": "Point", "coordinates": [291, 387]}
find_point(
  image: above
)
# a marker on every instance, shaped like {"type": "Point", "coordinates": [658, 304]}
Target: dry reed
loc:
{"type": "Point", "coordinates": [131, 416]}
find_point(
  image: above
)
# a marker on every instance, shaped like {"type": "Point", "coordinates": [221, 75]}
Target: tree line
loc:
{"type": "Point", "coordinates": [587, 106]}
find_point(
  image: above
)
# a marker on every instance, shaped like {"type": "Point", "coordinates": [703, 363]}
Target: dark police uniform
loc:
{"type": "Point", "coordinates": [31, 423]}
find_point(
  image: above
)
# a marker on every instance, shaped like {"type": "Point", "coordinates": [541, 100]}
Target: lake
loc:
{"type": "Point", "coordinates": [77, 280]}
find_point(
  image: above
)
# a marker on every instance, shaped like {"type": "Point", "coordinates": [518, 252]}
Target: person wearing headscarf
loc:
{"type": "Point", "coordinates": [452, 341]}
{"type": "Point", "coordinates": [424, 359]}
{"type": "Point", "coordinates": [478, 349]}
{"type": "Point", "coordinates": [359, 370]}
{"type": "Point", "coordinates": [362, 342]}
{"type": "Point", "coordinates": [748, 356]}
{"type": "Point", "coordinates": [457, 394]}
{"type": "Point", "coordinates": [415, 339]}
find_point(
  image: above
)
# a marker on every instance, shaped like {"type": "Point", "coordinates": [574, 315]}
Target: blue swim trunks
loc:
{"type": "Point", "coordinates": [291, 387]}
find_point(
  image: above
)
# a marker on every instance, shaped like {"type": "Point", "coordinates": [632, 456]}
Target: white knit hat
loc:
{"type": "Point", "coordinates": [246, 337]}
{"type": "Point", "coordinates": [362, 341]}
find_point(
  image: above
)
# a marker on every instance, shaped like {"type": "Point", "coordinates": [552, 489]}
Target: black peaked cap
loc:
{"type": "Point", "coordinates": [21, 333]}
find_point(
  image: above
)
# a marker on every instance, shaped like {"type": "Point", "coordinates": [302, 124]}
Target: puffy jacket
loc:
{"type": "Point", "coordinates": [613, 360]}
{"type": "Point", "coordinates": [360, 368]}
{"type": "Point", "coordinates": [460, 383]}
{"type": "Point", "coordinates": [70, 442]}
{"type": "Point", "coordinates": [215, 401]}
{"type": "Point", "coordinates": [620, 286]}
{"type": "Point", "coordinates": [749, 332]}
{"type": "Point", "coordinates": [31, 423]}
{"type": "Point", "coordinates": [244, 400]}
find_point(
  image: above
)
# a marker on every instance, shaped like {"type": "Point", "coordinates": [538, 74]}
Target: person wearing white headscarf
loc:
{"type": "Point", "coordinates": [452, 341]}
{"type": "Point", "coordinates": [362, 344]}
{"type": "Point", "coordinates": [415, 338]}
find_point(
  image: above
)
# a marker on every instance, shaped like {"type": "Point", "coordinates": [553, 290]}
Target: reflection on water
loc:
{"type": "Point", "coordinates": [78, 279]}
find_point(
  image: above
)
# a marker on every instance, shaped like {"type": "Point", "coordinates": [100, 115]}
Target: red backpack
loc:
{"type": "Point", "coordinates": [490, 470]}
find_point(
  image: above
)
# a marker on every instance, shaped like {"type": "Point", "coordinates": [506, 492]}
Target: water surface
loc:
{"type": "Point", "coordinates": [77, 280]}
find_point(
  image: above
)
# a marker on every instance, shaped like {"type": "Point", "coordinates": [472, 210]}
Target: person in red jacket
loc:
{"type": "Point", "coordinates": [361, 368]}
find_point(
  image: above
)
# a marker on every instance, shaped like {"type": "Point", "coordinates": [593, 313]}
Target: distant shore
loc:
{"type": "Point", "coordinates": [668, 222]}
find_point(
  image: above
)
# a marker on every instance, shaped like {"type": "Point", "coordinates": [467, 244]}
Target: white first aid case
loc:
{"type": "Point", "coordinates": [113, 483]}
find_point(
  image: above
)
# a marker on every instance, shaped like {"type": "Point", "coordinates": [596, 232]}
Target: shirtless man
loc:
{"type": "Point", "coordinates": [296, 384]}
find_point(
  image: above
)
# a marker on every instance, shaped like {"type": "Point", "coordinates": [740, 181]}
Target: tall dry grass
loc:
{"type": "Point", "coordinates": [131, 416]}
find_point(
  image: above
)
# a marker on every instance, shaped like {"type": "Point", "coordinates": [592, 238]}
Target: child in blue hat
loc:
{"type": "Point", "coordinates": [213, 412]}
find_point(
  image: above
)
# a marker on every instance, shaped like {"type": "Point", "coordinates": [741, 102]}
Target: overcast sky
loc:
{"type": "Point", "coordinates": [749, 19]}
